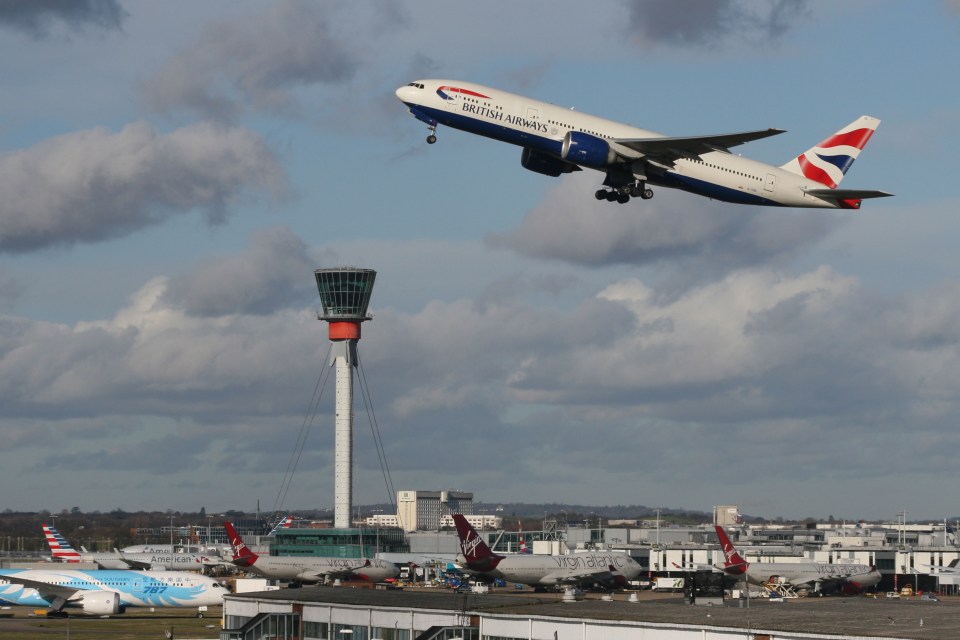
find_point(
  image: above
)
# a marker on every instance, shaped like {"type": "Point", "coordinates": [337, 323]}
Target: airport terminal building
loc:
{"type": "Point", "coordinates": [343, 613]}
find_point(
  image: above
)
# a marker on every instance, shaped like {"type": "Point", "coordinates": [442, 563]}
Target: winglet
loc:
{"type": "Point", "coordinates": [478, 555]}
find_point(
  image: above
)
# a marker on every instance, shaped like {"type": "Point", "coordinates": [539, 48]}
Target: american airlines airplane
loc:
{"type": "Point", "coordinates": [557, 140]}
{"type": "Point", "coordinates": [308, 569]}
{"type": "Point", "coordinates": [805, 577]}
{"type": "Point", "coordinates": [62, 551]}
{"type": "Point", "coordinates": [610, 568]}
{"type": "Point", "coordinates": [107, 592]}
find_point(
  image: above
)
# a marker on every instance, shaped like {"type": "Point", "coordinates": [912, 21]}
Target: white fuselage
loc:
{"type": "Point", "coordinates": [135, 588]}
{"type": "Point", "coordinates": [542, 126]}
{"type": "Point", "coordinates": [543, 570]}
{"type": "Point", "coordinates": [156, 560]}
{"type": "Point", "coordinates": [813, 575]}
{"type": "Point", "coordinates": [316, 569]}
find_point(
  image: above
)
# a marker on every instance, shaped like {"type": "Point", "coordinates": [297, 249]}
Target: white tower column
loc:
{"type": "Point", "coordinates": [343, 443]}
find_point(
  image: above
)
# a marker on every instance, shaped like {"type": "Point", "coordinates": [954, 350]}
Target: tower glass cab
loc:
{"type": "Point", "coordinates": [345, 293]}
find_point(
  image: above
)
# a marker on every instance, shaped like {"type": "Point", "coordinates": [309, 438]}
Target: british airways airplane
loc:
{"type": "Point", "coordinates": [107, 592]}
{"type": "Point", "coordinates": [557, 140]}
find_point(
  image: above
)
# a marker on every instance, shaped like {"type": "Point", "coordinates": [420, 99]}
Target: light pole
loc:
{"type": "Point", "coordinates": [376, 517]}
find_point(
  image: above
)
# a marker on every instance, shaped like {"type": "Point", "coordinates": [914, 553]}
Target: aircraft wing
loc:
{"type": "Point", "coordinates": [57, 595]}
{"type": "Point", "coordinates": [667, 150]}
{"type": "Point", "coordinates": [118, 563]}
{"type": "Point", "coordinates": [135, 564]}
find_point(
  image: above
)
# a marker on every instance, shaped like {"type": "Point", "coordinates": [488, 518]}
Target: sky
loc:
{"type": "Point", "coordinates": [172, 173]}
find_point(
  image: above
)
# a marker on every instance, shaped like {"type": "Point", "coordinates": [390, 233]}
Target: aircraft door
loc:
{"type": "Point", "coordinates": [453, 99]}
{"type": "Point", "coordinates": [770, 183]}
{"type": "Point", "coordinates": [530, 116]}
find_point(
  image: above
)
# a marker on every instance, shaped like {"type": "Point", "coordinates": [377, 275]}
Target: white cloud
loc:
{"type": "Point", "coordinates": [257, 62]}
{"type": "Point", "coordinates": [570, 225]}
{"type": "Point", "coordinates": [93, 185]}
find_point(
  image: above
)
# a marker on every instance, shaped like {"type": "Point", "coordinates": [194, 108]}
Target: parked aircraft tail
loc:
{"type": "Point", "coordinates": [284, 523]}
{"type": "Point", "coordinates": [478, 555]}
{"type": "Point", "coordinates": [733, 562]}
{"type": "Point", "coordinates": [242, 555]}
{"type": "Point", "coordinates": [523, 543]}
{"type": "Point", "coordinates": [829, 161]}
{"type": "Point", "coordinates": [59, 547]}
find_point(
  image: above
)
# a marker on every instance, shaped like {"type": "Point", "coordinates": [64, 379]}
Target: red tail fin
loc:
{"type": "Point", "coordinates": [733, 562]}
{"type": "Point", "coordinates": [478, 555]}
{"type": "Point", "coordinates": [242, 556]}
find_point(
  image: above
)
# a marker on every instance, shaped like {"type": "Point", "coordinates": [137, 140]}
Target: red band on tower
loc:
{"type": "Point", "coordinates": [344, 330]}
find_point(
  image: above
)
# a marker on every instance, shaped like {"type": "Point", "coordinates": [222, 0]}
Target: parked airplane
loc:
{"type": "Point", "coordinates": [611, 568]}
{"type": "Point", "coordinates": [308, 569]}
{"type": "Point", "coordinates": [105, 592]}
{"type": "Point", "coordinates": [556, 140]}
{"type": "Point", "coordinates": [804, 577]}
{"type": "Point", "coordinates": [63, 552]}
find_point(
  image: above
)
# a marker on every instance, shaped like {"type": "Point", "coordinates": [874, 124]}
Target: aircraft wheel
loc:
{"type": "Point", "coordinates": [431, 139]}
{"type": "Point", "coordinates": [611, 196]}
{"type": "Point", "coordinates": [623, 198]}
{"type": "Point", "coordinates": [601, 194]}
{"type": "Point", "coordinates": [647, 194]}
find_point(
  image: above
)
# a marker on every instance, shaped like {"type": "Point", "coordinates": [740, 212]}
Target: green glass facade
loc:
{"type": "Point", "coordinates": [338, 543]}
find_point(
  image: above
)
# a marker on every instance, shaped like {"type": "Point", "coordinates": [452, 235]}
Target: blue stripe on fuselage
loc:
{"type": "Point", "coordinates": [487, 129]}
{"type": "Point", "coordinates": [709, 189]}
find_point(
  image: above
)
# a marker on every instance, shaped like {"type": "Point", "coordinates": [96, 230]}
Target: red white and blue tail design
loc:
{"type": "Point", "coordinates": [523, 543]}
{"type": "Point", "coordinates": [829, 161]}
{"type": "Point", "coordinates": [59, 547]}
{"type": "Point", "coordinates": [284, 523]}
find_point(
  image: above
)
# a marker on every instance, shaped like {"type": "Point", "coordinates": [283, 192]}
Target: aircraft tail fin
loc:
{"type": "Point", "coordinates": [479, 556]}
{"type": "Point", "coordinates": [733, 562]}
{"type": "Point", "coordinates": [59, 547]}
{"type": "Point", "coordinates": [523, 543]}
{"type": "Point", "coordinates": [284, 523]}
{"type": "Point", "coordinates": [242, 555]}
{"type": "Point", "coordinates": [829, 161]}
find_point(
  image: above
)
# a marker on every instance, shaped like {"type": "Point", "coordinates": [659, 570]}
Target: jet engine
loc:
{"type": "Point", "coordinates": [101, 603]}
{"type": "Point", "coordinates": [587, 150]}
{"type": "Point", "coordinates": [548, 165]}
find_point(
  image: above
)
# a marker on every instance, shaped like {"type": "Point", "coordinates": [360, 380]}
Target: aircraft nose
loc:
{"type": "Point", "coordinates": [406, 93]}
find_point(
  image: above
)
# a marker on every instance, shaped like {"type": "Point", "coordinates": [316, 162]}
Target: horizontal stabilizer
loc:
{"type": "Point", "coordinates": [847, 194]}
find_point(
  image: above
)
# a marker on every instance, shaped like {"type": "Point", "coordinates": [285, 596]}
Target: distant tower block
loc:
{"type": "Point", "coordinates": [345, 294]}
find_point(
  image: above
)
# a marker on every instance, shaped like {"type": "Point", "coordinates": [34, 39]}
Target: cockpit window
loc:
{"type": "Point", "coordinates": [418, 85]}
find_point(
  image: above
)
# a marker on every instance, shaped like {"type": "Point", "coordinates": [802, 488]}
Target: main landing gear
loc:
{"type": "Point", "coordinates": [623, 194]}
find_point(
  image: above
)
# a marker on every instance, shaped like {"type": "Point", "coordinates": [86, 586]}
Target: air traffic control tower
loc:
{"type": "Point", "coordinates": [345, 294]}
